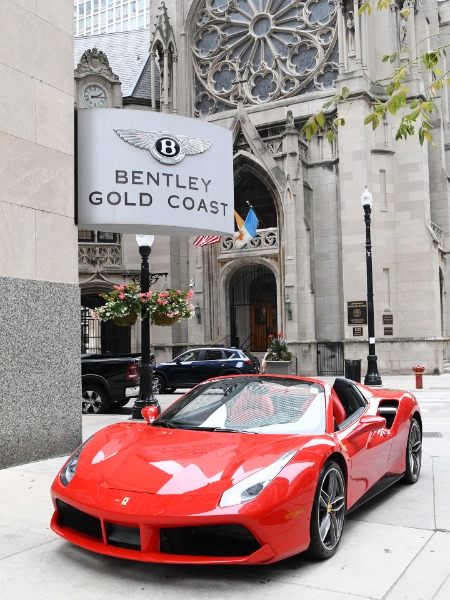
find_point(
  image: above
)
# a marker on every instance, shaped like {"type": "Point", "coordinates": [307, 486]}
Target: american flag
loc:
{"type": "Point", "coordinates": [204, 240]}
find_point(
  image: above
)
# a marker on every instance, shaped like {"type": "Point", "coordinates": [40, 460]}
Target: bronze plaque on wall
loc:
{"type": "Point", "coordinates": [388, 319]}
{"type": "Point", "coordinates": [357, 312]}
{"type": "Point", "coordinates": [357, 331]}
{"type": "Point", "coordinates": [388, 331]}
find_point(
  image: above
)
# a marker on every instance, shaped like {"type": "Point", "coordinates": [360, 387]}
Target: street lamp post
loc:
{"type": "Point", "coordinates": [372, 376]}
{"type": "Point", "coordinates": [146, 370]}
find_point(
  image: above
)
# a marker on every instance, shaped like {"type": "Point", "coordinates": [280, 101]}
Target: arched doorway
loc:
{"type": "Point", "coordinates": [253, 307]}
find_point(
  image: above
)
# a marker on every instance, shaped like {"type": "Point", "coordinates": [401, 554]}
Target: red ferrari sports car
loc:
{"type": "Point", "coordinates": [241, 469]}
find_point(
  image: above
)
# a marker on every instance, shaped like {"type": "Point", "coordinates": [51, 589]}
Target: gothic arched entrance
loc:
{"type": "Point", "coordinates": [253, 307]}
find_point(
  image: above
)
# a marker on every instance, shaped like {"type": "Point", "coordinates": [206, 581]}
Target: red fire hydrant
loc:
{"type": "Point", "coordinates": [418, 370]}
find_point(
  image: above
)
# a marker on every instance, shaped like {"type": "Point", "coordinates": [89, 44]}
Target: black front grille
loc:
{"type": "Point", "coordinates": [71, 517]}
{"type": "Point", "coordinates": [209, 540]}
{"type": "Point", "coordinates": [123, 536]}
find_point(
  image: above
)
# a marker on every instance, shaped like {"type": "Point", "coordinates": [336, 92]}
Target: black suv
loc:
{"type": "Point", "coordinates": [194, 366]}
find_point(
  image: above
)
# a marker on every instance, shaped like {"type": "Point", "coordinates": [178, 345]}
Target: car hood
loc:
{"type": "Point", "coordinates": [163, 461]}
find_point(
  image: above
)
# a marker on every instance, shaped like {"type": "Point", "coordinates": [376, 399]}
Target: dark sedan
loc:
{"type": "Point", "coordinates": [194, 366]}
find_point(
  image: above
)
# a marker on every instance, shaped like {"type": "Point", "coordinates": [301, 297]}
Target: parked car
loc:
{"type": "Point", "coordinates": [244, 469]}
{"type": "Point", "coordinates": [108, 380]}
{"type": "Point", "coordinates": [194, 366]}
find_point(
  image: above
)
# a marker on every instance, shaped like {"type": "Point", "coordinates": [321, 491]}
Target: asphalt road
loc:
{"type": "Point", "coordinates": [396, 547]}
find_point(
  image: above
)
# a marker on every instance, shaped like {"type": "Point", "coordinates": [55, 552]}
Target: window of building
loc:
{"type": "Point", "coordinates": [98, 237]}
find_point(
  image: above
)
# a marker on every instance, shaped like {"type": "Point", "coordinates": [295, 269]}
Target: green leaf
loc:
{"type": "Point", "coordinates": [365, 6]}
{"type": "Point", "coordinates": [421, 136]}
{"type": "Point", "coordinates": [345, 92]}
{"type": "Point", "coordinates": [392, 105]}
{"type": "Point", "coordinates": [329, 136]}
{"type": "Point", "coordinates": [320, 119]}
{"type": "Point", "coordinates": [429, 106]}
{"type": "Point", "coordinates": [414, 104]}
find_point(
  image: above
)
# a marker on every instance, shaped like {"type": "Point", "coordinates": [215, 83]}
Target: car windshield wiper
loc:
{"type": "Point", "coordinates": [225, 430]}
{"type": "Point", "coordinates": [163, 423]}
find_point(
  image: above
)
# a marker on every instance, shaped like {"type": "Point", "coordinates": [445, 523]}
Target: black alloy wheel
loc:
{"type": "Point", "coordinates": [328, 512]}
{"type": "Point", "coordinates": [413, 453]}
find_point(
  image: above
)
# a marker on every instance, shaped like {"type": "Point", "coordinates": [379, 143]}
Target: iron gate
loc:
{"type": "Point", "coordinates": [330, 358]}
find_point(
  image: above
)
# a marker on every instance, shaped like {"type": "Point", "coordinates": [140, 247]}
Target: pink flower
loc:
{"type": "Point", "coordinates": [190, 293]}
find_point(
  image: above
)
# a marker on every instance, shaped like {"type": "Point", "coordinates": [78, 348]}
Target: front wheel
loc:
{"type": "Point", "coordinates": [413, 453]}
{"type": "Point", "coordinates": [159, 385]}
{"type": "Point", "coordinates": [94, 400]}
{"type": "Point", "coordinates": [328, 512]}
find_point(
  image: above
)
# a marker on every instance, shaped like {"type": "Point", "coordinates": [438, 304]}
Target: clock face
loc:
{"type": "Point", "coordinates": [95, 96]}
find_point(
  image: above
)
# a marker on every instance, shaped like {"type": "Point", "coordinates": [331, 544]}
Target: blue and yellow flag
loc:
{"type": "Point", "coordinates": [247, 228]}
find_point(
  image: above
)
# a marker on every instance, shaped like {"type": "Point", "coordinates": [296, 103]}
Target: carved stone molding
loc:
{"type": "Point", "coordinates": [95, 62]}
{"type": "Point", "coordinates": [261, 52]}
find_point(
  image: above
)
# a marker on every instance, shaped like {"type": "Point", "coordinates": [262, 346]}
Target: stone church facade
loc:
{"type": "Point", "coordinates": [261, 69]}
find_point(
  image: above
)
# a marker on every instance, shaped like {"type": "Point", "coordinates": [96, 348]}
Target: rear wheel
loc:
{"type": "Point", "coordinates": [159, 385]}
{"type": "Point", "coordinates": [413, 453]}
{"type": "Point", "coordinates": [94, 400]}
{"type": "Point", "coordinates": [328, 512]}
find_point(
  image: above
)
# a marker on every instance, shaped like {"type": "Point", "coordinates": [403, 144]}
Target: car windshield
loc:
{"type": "Point", "coordinates": [251, 405]}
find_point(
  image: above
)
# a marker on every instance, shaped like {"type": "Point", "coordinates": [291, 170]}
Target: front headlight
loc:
{"type": "Point", "coordinates": [251, 486]}
{"type": "Point", "coordinates": [70, 467]}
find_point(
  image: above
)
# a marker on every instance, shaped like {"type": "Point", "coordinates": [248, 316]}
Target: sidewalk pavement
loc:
{"type": "Point", "coordinates": [396, 547]}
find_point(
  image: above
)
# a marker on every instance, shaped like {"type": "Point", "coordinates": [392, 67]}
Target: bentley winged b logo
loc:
{"type": "Point", "coordinates": [168, 148]}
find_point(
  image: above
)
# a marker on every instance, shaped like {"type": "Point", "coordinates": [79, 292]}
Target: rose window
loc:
{"type": "Point", "coordinates": [262, 50]}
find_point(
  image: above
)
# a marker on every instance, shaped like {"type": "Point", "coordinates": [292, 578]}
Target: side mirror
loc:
{"type": "Point", "coordinates": [150, 413]}
{"type": "Point", "coordinates": [368, 423]}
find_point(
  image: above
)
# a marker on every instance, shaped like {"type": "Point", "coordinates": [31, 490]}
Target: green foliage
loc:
{"type": "Point", "coordinates": [414, 110]}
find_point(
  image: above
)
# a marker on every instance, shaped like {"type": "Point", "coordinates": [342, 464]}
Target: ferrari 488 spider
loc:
{"type": "Point", "coordinates": [241, 469]}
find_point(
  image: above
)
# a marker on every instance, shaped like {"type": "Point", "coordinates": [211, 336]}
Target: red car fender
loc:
{"type": "Point", "coordinates": [407, 409]}
{"type": "Point", "coordinates": [297, 484]}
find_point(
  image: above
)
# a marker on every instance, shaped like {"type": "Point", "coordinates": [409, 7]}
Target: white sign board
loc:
{"type": "Point", "coordinates": [147, 172]}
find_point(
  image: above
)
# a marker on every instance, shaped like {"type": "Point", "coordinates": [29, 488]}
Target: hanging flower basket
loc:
{"type": "Point", "coordinates": [127, 321]}
{"type": "Point", "coordinates": [164, 320]}
{"type": "Point", "coordinates": [124, 304]}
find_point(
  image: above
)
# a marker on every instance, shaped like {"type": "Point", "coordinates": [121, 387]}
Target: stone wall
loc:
{"type": "Point", "coordinates": [39, 297]}
{"type": "Point", "coordinates": [40, 363]}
